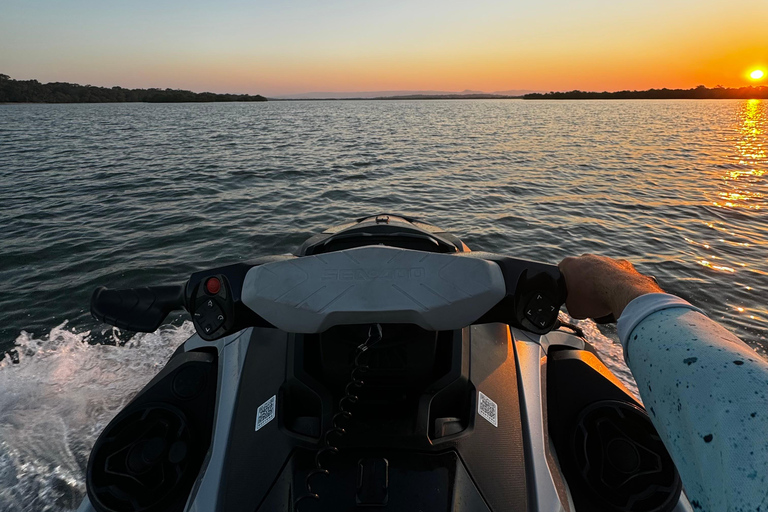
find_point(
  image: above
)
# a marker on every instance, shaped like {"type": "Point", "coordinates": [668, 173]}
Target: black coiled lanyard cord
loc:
{"type": "Point", "coordinates": [343, 416]}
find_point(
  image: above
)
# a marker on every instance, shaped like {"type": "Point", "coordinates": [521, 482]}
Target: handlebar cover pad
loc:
{"type": "Point", "coordinates": [373, 284]}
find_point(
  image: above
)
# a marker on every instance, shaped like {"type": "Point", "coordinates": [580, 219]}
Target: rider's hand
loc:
{"type": "Point", "coordinates": [598, 286]}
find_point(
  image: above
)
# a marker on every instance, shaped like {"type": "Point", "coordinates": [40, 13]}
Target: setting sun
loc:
{"type": "Point", "coordinates": [757, 74]}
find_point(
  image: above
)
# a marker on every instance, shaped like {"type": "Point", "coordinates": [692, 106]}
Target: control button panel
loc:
{"type": "Point", "coordinates": [540, 310]}
{"type": "Point", "coordinates": [209, 315]}
{"type": "Point", "coordinates": [213, 310]}
{"type": "Point", "coordinates": [534, 294]}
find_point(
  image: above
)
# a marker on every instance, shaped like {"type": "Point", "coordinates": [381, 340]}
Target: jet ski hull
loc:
{"type": "Point", "coordinates": [484, 418]}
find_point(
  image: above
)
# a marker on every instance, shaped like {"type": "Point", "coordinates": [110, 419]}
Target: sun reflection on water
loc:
{"type": "Point", "coordinates": [708, 264]}
{"type": "Point", "coordinates": [736, 250]}
{"type": "Point", "coordinates": [744, 188]}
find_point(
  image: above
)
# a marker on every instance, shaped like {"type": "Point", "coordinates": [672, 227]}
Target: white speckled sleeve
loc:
{"type": "Point", "coordinates": [641, 307]}
{"type": "Point", "coordinates": [707, 394]}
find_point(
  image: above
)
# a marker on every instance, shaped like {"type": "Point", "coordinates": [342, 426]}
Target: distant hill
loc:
{"type": "Point", "coordinates": [320, 95]}
{"type": "Point", "coordinates": [32, 91]}
{"type": "Point", "coordinates": [399, 95]}
{"type": "Point", "coordinates": [698, 93]}
{"type": "Point", "coordinates": [454, 96]}
{"type": "Point", "coordinates": [514, 92]}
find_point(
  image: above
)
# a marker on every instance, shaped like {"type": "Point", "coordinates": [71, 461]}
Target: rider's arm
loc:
{"type": "Point", "coordinates": [705, 390]}
{"type": "Point", "coordinates": [707, 394]}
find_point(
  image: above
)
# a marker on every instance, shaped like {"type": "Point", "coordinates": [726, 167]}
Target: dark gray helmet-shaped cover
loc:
{"type": "Point", "coordinates": [373, 284]}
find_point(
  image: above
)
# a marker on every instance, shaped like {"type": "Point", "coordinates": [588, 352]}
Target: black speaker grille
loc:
{"type": "Point", "coordinates": [139, 463]}
{"type": "Point", "coordinates": [622, 460]}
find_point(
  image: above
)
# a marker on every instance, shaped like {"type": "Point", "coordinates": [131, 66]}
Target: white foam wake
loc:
{"type": "Point", "coordinates": [55, 402]}
{"type": "Point", "coordinates": [609, 349]}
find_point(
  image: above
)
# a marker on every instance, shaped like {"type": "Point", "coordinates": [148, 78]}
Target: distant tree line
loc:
{"type": "Point", "coordinates": [698, 93]}
{"type": "Point", "coordinates": [32, 91]}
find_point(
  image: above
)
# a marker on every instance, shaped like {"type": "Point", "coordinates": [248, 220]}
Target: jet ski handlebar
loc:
{"type": "Point", "coordinates": [372, 284]}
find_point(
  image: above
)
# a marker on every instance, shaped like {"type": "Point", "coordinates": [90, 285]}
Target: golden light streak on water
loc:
{"type": "Point", "coordinates": [705, 263]}
{"type": "Point", "coordinates": [742, 188]}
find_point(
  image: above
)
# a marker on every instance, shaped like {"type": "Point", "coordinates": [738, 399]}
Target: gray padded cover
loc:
{"type": "Point", "coordinates": [373, 284]}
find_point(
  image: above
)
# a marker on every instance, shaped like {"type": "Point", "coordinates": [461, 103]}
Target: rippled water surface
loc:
{"type": "Point", "coordinates": [129, 194]}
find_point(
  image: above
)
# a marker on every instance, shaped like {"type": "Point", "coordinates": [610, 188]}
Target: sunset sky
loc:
{"type": "Point", "coordinates": [295, 46]}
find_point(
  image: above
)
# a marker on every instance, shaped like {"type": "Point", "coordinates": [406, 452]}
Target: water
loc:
{"type": "Point", "coordinates": [128, 194]}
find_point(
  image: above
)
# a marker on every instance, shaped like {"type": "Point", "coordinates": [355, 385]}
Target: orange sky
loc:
{"type": "Point", "coordinates": [341, 45]}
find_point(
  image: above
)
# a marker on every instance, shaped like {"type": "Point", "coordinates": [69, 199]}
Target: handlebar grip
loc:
{"type": "Point", "coordinates": [136, 309]}
{"type": "Point", "coordinates": [607, 319]}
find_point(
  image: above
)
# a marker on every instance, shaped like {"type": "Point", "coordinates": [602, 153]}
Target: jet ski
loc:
{"type": "Point", "coordinates": [383, 366]}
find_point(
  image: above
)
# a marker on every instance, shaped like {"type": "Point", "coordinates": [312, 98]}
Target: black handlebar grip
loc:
{"type": "Point", "coordinates": [607, 319]}
{"type": "Point", "coordinates": [136, 309]}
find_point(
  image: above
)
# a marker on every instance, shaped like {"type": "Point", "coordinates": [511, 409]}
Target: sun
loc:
{"type": "Point", "coordinates": [757, 74]}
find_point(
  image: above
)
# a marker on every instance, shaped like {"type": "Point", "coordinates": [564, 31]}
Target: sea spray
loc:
{"type": "Point", "coordinates": [56, 401]}
{"type": "Point", "coordinates": [608, 349]}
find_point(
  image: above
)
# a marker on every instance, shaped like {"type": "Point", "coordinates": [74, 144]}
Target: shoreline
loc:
{"type": "Point", "coordinates": [282, 100]}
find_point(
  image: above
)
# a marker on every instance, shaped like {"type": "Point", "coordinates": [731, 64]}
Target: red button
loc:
{"type": "Point", "coordinates": [213, 285]}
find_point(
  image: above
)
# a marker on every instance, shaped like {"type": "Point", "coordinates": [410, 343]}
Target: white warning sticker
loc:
{"type": "Point", "coordinates": [488, 409]}
{"type": "Point", "coordinates": [266, 412]}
